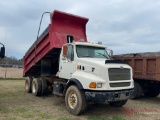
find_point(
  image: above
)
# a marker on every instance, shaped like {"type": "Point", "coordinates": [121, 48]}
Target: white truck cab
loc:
{"type": "Point", "coordinates": [89, 67]}
{"type": "Point", "coordinates": [90, 63]}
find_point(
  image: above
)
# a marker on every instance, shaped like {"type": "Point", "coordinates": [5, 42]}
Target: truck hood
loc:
{"type": "Point", "coordinates": [95, 61]}
{"type": "Point", "coordinates": [100, 62]}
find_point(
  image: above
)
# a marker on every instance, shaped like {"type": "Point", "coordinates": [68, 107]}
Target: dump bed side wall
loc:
{"type": "Point", "coordinates": [62, 25]}
{"type": "Point", "coordinates": [37, 52]}
{"type": "Point", "coordinates": [147, 68]}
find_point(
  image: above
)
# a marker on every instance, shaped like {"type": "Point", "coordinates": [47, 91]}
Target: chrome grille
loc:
{"type": "Point", "coordinates": [119, 74]}
{"type": "Point", "coordinates": [121, 84]}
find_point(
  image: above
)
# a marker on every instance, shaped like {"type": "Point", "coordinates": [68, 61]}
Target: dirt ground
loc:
{"type": "Point", "coordinates": [16, 104]}
{"type": "Point", "coordinates": [11, 72]}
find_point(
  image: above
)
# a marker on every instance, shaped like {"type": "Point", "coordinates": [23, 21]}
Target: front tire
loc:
{"type": "Point", "coordinates": [138, 91]}
{"type": "Point", "coordinates": [36, 87]}
{"type": "Point", "coordinates": [75, 100]}
{"type": "Point", "coordinates": [118, 103]}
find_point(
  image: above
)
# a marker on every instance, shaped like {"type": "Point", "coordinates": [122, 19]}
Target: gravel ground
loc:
{"type": "Point", "coordinates": [16, 104]}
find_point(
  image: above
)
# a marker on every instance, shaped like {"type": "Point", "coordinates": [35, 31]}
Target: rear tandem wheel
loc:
{"type": "Point", "coordinates": [37, 87]}
{"type": "Point", "coordinates": [28, 84]}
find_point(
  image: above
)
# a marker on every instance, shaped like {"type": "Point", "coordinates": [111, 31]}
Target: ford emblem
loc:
{"type": "Point", "coordinates": [121, 67]}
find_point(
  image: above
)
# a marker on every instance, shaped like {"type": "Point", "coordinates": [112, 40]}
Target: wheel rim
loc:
{"type": "Point", "coordinates": [27, 85]}
{"type": "Point", "coordinates": [72, 100]}
{"type": "Point", "coordinates": [33, 87]}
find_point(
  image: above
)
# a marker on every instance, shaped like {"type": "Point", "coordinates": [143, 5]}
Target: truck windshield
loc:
{"type": "Point", "coordinates": [91, 51]}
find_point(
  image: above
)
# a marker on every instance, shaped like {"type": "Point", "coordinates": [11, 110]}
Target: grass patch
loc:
{"type": "Point", "coordinates": [4, 95]}
{"type": "Point", "coordinates": [63, 118]}
{"type": "Point", "coordinates": [27, 116]}
{"type": "Point", "coordinates": [12, 78]}
{"type": "Point", "coordinates": [9, 94]}
{"type": "Point", "coordinates": [44, 116]}
{"type": "Point", "coordinates": [3, 110]}
{"type": "Point", "coordinates": [100, 117]}
{"type": "Point", "coordinates": [118, 118]}
{"type": "Point", "coordinates": [96, 117]}
{"type": "Point", "coordinates": [21, 110]}
{"type": "Point", "coordinates": [12, 118]}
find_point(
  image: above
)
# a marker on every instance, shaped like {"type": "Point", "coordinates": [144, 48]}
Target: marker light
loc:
{"type": "Point", "coordinates": [78, 67]}
{"type": "Point", "coordinates": [92, 85]}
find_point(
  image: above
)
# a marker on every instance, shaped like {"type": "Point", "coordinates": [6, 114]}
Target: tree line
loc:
{"type": "Point", "coordinates": [11, 61]}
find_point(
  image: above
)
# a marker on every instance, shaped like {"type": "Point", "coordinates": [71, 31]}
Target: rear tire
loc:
{"type": "Point", "coordinates": [44, 86]}
{"type": "Point", "coordinates": [75, 100]}
{"type": "Point", "coordinates": [36, 87]}
{"type": "Point", "coordinates": [138, 91]}
{"type": "Point", "coordinates": [118, 103]}
{"type": "Point", "coordinates": [28, 84]}
{"type": "Point", "coordinates": [151, 93]}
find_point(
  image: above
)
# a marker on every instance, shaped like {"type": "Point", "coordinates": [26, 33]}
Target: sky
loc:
{"type": "Point", "coordinates": [125, 26]}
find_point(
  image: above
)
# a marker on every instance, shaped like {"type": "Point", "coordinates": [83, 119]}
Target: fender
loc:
{"type": "Point", "coordinates": [73, 81]}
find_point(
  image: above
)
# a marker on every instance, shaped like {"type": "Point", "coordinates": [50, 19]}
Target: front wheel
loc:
{"type": "Point", "coordinates": [138, 91]}
{"type": "Point", "coordinates": [75, 100]}
{"type": "Point", "coordinates": [118, 103]}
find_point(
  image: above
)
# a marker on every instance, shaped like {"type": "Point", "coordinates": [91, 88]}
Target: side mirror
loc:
{"type": "Point", "coordinates": [110, 53]}
{"type": "Point", "coordinates": [65, 49]}
{"type": "Point", "coordinates": [2, 52]}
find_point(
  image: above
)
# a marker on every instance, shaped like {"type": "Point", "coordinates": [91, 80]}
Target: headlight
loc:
{"type": "Point", "coordinates": [99, 85]}
{"type": "Point", "coordinates": [95, 85]}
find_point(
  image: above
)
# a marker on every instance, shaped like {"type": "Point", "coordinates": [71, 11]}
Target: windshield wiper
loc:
{"type": "Point", "coordinates": [103, 55]}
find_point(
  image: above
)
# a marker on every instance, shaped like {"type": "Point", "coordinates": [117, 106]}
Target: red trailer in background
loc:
{"type": "Point", "coordinates": [62, 29]}
{"type": "Point", "coordinates": [146, 73]}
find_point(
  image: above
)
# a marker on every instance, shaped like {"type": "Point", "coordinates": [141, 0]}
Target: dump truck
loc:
{"type": "Point", "coordinates": [63, 61]}
{"type": "Point", "coordinates": [146, 73]}
{"type": "Point", "coordinates": [2, 51]}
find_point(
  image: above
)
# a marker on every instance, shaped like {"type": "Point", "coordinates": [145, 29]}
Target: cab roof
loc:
{"type": "Point", "coordinates": [89, 44]}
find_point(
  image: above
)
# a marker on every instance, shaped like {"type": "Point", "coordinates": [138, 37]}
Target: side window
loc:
{"type": "Point", "coordinates": [70, 53]}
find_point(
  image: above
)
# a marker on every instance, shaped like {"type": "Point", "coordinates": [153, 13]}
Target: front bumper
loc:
{"type": "Point", "coordinates": [108, 96]}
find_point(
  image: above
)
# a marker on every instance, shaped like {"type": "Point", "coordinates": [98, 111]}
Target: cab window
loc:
{"type": "Point", "coordinates": [70, 53]}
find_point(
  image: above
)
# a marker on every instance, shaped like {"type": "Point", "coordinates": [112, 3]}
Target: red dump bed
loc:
{"type": "Point", "coordinates": [147, 68]}
{"type": "Point", "coordinates": [62, 25]}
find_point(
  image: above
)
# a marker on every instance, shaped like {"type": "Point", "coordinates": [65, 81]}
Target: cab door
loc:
{"type": "Point", "coordinates": [67, 64]}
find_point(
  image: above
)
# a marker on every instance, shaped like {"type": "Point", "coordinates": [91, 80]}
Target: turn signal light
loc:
{"type": "Point", "coordinates": [78, 67]}
{"type": "Point", "coordinates": [92, 85]}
